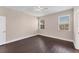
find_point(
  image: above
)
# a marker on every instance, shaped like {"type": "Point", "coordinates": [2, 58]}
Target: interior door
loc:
{"type": "Point", "coordinates": [2, 29]}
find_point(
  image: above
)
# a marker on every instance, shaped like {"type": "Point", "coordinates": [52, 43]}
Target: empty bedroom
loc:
{"type": "Point", "coordinates": [39, 29]}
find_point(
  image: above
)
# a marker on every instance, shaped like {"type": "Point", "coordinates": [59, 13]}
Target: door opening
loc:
{"type": "Point", "coordinates": [2, 29]}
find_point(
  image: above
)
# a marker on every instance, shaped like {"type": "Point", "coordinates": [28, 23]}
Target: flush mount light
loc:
{"type": "Point", "coordinates": [39, 8]}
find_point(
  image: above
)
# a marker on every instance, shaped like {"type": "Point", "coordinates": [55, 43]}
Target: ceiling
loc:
{"type": "Point", "coordinates": [40, 10]}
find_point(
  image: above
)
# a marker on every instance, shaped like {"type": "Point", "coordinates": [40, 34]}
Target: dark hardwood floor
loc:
{"type": "Point", "coordinates": [39, 44]}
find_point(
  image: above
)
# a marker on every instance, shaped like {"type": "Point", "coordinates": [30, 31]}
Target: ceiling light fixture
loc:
{"type": "Point", "coordinates": [39, 8]}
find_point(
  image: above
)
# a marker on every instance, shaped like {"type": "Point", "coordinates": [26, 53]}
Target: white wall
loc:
{"type": "Point", "coordinates": [76, 27]}
{"type": "Point", "coordinates": [18, 24]}
{"type": "Point", "coordinates": [51, 26]}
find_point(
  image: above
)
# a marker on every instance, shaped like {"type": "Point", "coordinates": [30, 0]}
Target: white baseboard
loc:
{"type": "Point", "coordinates": [57, 37]}
{"type": "Point", "coordinates": [17, 39]}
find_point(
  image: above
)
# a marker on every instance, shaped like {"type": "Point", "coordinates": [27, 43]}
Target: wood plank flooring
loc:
{"type": "Point", "coordinates": [39, 44]}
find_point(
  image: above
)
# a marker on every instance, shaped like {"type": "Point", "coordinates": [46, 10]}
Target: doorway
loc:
{"type": "Point", "coordinates": [2, 29]}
